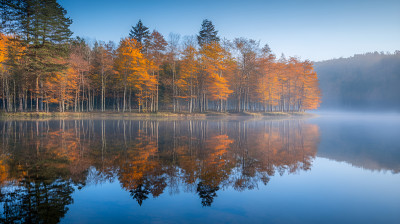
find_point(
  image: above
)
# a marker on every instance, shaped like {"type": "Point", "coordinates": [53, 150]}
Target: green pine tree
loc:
{"type": "Point", "coordinates": [141, 34]}
{"type": "Point", "coordinates": [207, 33]}
{"type": "Point", "coordinates": [43, 28]}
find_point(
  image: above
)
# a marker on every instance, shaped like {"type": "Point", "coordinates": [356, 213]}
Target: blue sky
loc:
{"type": "Point", "coordinates": [316, 30]}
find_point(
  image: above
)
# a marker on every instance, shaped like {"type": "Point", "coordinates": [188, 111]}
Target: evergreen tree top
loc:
{"type": "Point", "coordinates": [42, 26]}
{"type": "Point", "coordinates": [207, 33]}
{"type": "Point", "coordinates": [139, 32]}
{"type": "Point", "coordinates": [31, 19]}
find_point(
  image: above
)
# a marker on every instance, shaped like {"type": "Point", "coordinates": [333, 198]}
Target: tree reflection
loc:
{"type": "Point", "coordinates": [41, 162]}
{"type": "Point", "coordinates": [207, 193]}
{"type": "Point", "coordinates": [36, 174]}
{"type": "Point", "coordinates": [36, 202]}
{"type": "Point", "coordinates": [140, 193]}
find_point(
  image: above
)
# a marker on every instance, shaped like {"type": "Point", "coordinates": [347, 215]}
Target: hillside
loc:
{"type": "Point", "coordinates": [369, 81]}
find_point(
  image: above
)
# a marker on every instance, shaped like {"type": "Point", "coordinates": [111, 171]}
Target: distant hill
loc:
{"type": "Point", "coordinates": [368, 81]}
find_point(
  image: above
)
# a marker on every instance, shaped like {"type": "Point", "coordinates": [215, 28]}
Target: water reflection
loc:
{"type": "Point", "coordinates": [365, 141]}
{"type": "Point", "coordinates": [43, 162]}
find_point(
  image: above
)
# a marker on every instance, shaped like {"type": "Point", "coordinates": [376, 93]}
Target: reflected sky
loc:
{"type": "Point", "coordinates": [327, 169]}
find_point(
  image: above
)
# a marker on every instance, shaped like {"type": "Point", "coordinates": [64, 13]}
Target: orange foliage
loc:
{"type": "Point", "coordinates": [189, 69]}
{"type": "Point", "coordinates": [291, 85]}
{"type": "Point", "coordinates": [213, 63]}
{"type": "Point", "coordinates": [3, 50]}
{"type": "Point", "coordinates": [132, 68]}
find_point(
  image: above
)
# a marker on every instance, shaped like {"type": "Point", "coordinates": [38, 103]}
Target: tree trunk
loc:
{"type": "Point", "coordinates": [37, 94]}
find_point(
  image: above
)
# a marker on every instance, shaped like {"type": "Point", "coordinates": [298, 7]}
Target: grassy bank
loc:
{"type": "Point", "coordinates": [113, 114]}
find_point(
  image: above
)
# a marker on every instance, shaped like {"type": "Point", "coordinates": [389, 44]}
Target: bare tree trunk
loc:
{"type": "Point", "coordinates": [102, 93]}
{"type": "Point", "coordinates": [89, 100]}
{"type": "Point", "coordinates": [130, 100]}
{"type": "Point", "coordinates": [124, 100]}
{"type": "Point", "coordinates": [173, 87]}
{"type": "Point", "coordinates": [83, 92]}
{"type": "Point", "coordinates": [158, 75]}
{"type": "Point", "coordinates": [37, 94]}
{"type": "Point", "coordinates": [76, 100]}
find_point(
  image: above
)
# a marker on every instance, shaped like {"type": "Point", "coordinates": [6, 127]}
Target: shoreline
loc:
{"type": "Point", "coordinates": [113, 114]}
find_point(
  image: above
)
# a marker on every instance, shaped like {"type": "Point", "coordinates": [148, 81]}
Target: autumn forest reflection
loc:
{"type": "Point", "coordinates": [43, 162]}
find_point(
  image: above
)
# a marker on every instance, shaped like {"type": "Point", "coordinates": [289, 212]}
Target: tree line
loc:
{"type": "Point", "coordinates": [43, 69]}
{"type": "Point", "coordinates": [362, 82]}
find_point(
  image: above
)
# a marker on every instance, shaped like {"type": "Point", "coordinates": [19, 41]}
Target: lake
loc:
{"type": "Point", "coordinates": [333, 168]}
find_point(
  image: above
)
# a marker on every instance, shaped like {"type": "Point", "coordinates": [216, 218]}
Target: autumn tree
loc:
{"type": "Point", "coordinates": [216, 85]}
{"type": "Point", "coordinates": [102, 68]}
{"type": "Point", "coordinates": [133, 70]}
{"type": "Point", "coordinates": [187, 78]}
{"type": "Point", "coordinates": [266, 85]}
{"type": "Point", "coordinates": [3, 68]}
{"type": "Point", "coordinates": [157, 54]}
{"type": "Point", "coordinates": [129, 61]}
{"type": "Point", "coordinates": [12, 72]}
{"type": "Point", "coordinates": [79, 61]}
{"type": "Point", "coordinates": [310, 94]}
{"type": "Point", "coordinates": [211, 80]}
{"type": "Point", "coordinates": [246, 75]}
{"type": "Point", "coordinates": [62, 88]}
{"type": "Point", "coordinates": [173, 54]}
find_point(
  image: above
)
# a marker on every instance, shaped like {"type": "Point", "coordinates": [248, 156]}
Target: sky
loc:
{"type": "Point", "coordinates": [310, 29]}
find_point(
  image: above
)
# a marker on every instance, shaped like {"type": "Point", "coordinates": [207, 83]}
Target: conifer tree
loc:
{"type": "Point", "coordinates": [141, 34]}
{"type": "Point", "coordinates": [207, 33]}
{"type": "Point", "coordinates": [43, 28]}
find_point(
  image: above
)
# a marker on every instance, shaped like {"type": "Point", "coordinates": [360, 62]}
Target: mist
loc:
{"type": "Point", "coordinates": [366, 140]}
{"type": "Point", "coordinates": [367, 82]}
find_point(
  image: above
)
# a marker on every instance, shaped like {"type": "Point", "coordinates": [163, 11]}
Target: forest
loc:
{"type": "Point", "coordinates": [42, 68]}
{"type": "Point", "coordinates": [364, 82]}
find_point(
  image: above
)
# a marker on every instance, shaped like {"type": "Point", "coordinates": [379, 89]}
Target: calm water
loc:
{"type": "Point", "coordinates": [329, 169]}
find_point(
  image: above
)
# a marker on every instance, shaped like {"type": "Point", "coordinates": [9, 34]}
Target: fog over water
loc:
{"type": "Point", "coordinates": [363, 139]}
